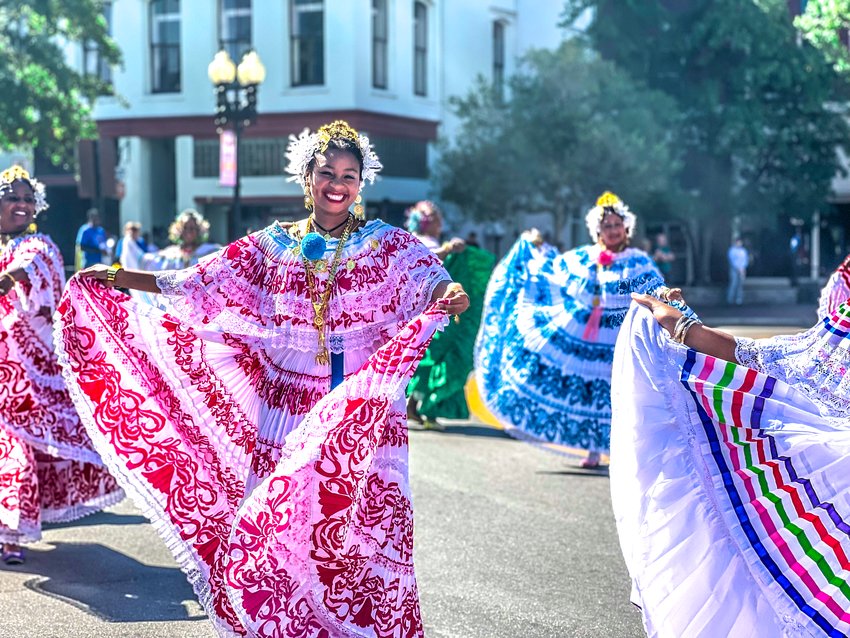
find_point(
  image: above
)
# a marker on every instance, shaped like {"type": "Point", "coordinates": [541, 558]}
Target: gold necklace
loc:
{"type": "Point", "coordinates": [5, 238]}
{"type": "Point", "coordinates": [320, 305]}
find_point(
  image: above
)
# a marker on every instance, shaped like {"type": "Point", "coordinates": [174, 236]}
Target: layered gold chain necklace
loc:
{"type": "Point", "coordinates": [320, 301]}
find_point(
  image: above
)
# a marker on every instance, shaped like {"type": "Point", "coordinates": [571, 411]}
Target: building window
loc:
{"type": "Point", "coordinates": [499, 61]}
{"type": "Point", "coordinates": [402, 157]}
{"type": "Point", "coordinates": [307, 37]}
{"type": "Point", "coordinates": [94, 64]}
{"type": "Point", "coordinates": [261, 156]}
{"type": "Point", "coordinates": [235, 27]}
{"type": "Point", "coordinates": [379, 44]}
{"type": "Point", "coordinates": [165, 46]}
{"type": "Point", "coordinates": [420, 48]}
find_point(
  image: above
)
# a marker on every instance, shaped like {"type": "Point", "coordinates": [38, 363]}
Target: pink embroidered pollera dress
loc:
{"type": "Point", "coordinates": [285, 526]}
{"type": "Point", "coordinates": [49, 470]}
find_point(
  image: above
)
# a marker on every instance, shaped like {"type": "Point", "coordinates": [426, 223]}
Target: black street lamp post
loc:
{"type": "Point", "coordinates": [236, 106]}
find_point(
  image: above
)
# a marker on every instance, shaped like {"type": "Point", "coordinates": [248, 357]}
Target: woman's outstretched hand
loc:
{"type": "Point", "coordinates": [701, 338]}
{"type": "Point", "coordinates": [98, 272]}
{"type": "Point", "coordinates": [666, 315]}
{"type": "Point", "coordinates": [454, 300]}
{"type": "Point", "coordinates": [126, 279]}
{"type": "Point", "coordinates": [534, 236]}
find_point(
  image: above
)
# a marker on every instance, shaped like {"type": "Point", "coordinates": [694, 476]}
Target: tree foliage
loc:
{"type": "Point", "coordinates": [760, 128]}
{"type": "Point", "coordinates": [825, 24]}
{"type": "Point", "coordinates": [46, 103]}
{"type": "Point", "coordinates": [571, 127]}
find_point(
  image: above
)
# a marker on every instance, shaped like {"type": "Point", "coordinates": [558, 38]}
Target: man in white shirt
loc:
{"type": "Point", "coordinates": [739, 259]}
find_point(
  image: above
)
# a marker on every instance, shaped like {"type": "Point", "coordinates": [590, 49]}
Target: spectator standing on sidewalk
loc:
{"type": "Point", "coordinates": [663, 256]}
{"type": "Point", "coordinates": [91, 241]}
{"type": "Point", "coordinates": [739, 259]}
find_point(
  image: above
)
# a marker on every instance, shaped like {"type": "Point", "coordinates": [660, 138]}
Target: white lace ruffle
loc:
{"type": "Point", "coordinates": [815, 362]}
{"type": "Point", "coordinates": [392, 280]}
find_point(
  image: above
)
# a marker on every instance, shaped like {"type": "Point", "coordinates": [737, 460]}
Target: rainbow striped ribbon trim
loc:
{"type": "Point", "coordinates": [802, 540]}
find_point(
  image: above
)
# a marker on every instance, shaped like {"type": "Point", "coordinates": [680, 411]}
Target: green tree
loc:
{"type": "Point", "coordinates": [46, 103]}
{"type": "Point", "coordinates": [825, 24]}
{"type": "Point", "coordinates": [571, 127]}
{"type": "Point", "coordinates": [760, 130]}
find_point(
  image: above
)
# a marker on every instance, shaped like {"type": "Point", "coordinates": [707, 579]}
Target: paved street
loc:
{"type": "Point", "coordinates": [512, 540]}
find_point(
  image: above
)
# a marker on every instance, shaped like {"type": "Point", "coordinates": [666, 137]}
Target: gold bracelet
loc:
{"type": "Point", "coordinates": [112, 273]}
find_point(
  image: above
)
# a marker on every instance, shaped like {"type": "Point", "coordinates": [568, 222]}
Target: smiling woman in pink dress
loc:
{"type": "Point", "coordinates": [48, 468]}
{"type": "Point", "coordinates": [272, 392]}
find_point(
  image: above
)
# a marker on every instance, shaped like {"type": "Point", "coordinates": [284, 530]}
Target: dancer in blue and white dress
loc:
{"type": "Point", "coordinates": [544, 351]}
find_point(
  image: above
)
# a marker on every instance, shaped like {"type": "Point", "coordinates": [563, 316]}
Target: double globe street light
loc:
{"type": "Point", "coordinates": [236, 107]}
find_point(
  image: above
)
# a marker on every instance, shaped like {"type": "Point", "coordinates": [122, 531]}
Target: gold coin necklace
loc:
{"type": "Point", "coordinates": [320, 301]}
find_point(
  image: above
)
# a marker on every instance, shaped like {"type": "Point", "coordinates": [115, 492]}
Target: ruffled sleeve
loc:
{"type": "Point", "coordinates": [257, 288]}
{"type": "Point", "coordinates": [41, 260]}
{"type": "Point", "coordinates": [815, 361]}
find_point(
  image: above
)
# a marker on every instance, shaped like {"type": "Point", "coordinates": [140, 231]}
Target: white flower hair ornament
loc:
{"type": "Point", "coordinates": [16, 173]}
{"type": "Point", "coordinates": [608, 202]}
{"type": "Point", "coordinates": [302, 149]}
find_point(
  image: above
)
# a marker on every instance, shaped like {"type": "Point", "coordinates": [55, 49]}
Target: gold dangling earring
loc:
{"type": "Point", "coordinates": [359, 211]}
{"type": "Point", "coordinates": [308, 198]}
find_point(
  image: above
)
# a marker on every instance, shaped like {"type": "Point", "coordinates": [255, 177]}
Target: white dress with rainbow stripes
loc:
{"type": "Point", "coordinates": [731, 485]}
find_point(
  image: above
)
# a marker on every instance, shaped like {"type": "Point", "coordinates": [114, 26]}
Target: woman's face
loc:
{"type": "Point", "coordinates": [17, 208]}
{"type": "Point", "coordinates": [612, 232]}
{"type": "Point", "coordinates": [335, 182]}
{"type": "Point", "coordinates": [432, 226]}
{"type": "Point", "coordinates": [191, 232]}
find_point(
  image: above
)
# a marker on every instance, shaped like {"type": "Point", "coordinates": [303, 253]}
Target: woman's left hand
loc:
{"type": "Point", "coordinates": [455, 300]}
{"type": "Point", "coordinates": [666, 315]}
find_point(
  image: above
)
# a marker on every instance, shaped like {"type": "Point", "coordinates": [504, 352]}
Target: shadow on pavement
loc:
{"type": "Point", "coordinates": [602, 472]}
{"type": "Point", "coordinates": [110, 585]}
{"type": "Point", "coordinates": [100, 518]}
{"type": "Point", "coordinates": [468, 430]}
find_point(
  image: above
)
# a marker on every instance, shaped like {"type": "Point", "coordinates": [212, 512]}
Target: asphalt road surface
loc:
{"type": "Point", "coordinates": [511, 540]}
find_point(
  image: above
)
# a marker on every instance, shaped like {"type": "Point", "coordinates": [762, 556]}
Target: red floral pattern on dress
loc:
{"type": "Point", "coordinates": [190, 418]}
{"type": "Point", "coordinates": [324, 547]}
{"type": "Point", "coordinates": [48, 467]}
